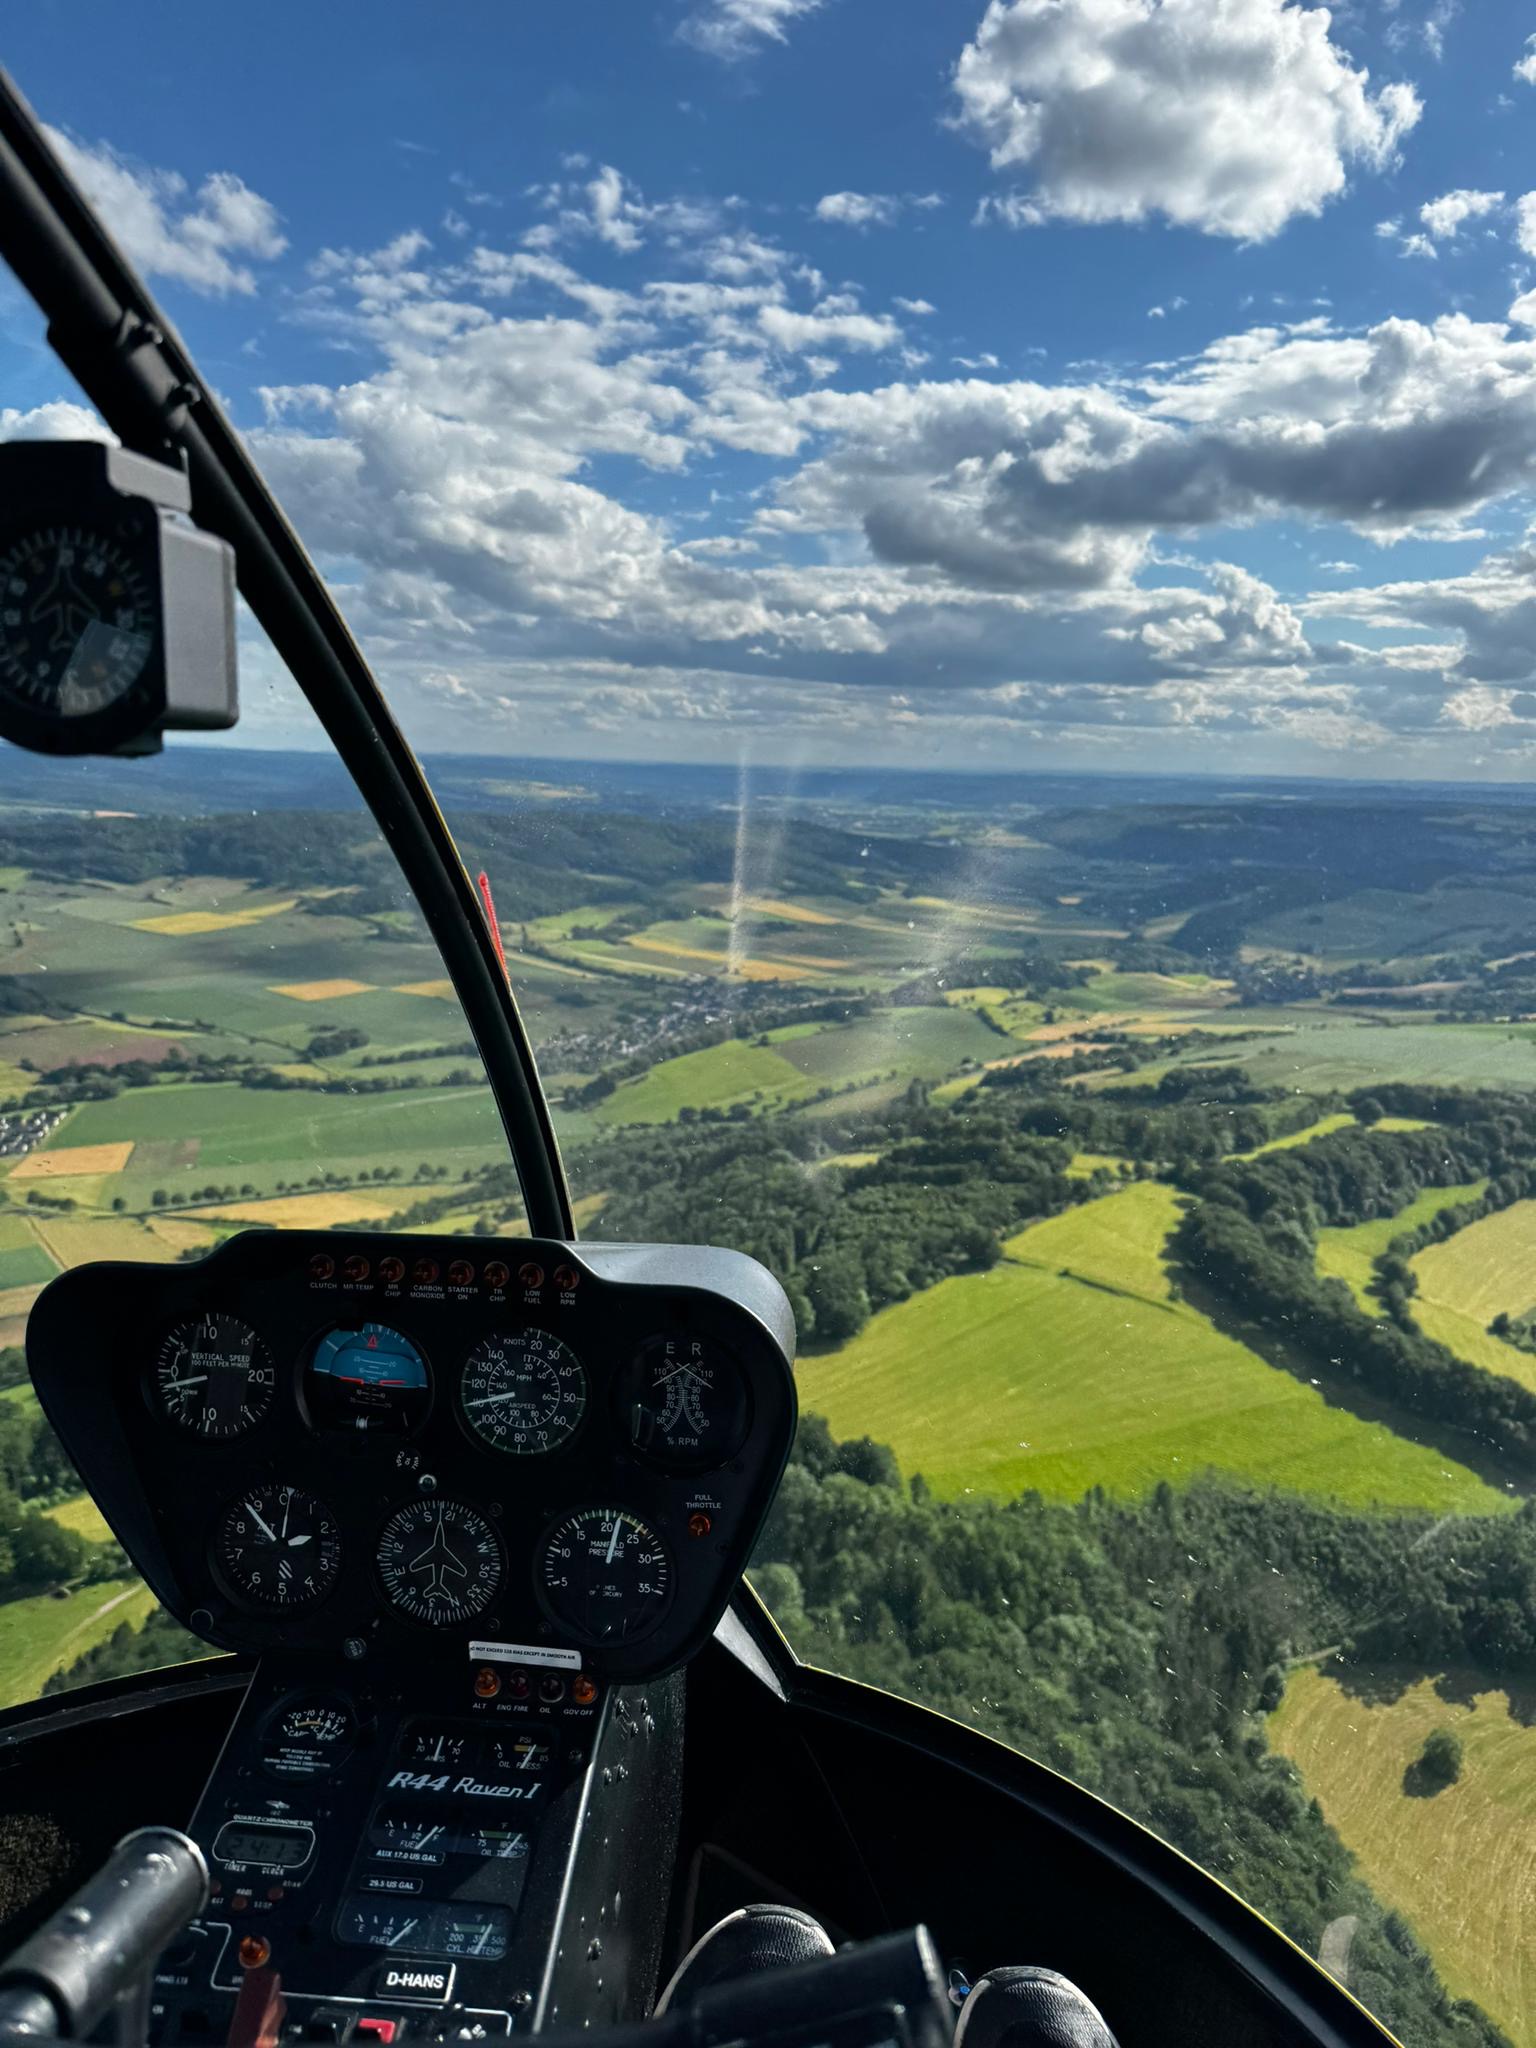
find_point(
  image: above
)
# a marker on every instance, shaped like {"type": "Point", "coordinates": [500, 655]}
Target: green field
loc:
{"type": "Point", "coordinates": [1461, 1866]}
{"type": "Point", "coordinates": [83, 1516]}
{"type": "Point", "coordinates": [1466, 1281]}
{"type": "Point", "coordinates": [1068, 1366]}
{"type": "Point", "coordinates": [1323, 1128]}
{"type": "Point", "coordinates": [1331, 1054]}
{"type": "Point", "coordinates": [237, 1126]}
{"type": "Point", "coordinates": [25, 1265]}
{"type": "Point", "coordinates": [1350, 1254]}
{"type": "Point", "coordinates": [798, 1060]}
{"type": "Point", "coordinates": [40, 1635]}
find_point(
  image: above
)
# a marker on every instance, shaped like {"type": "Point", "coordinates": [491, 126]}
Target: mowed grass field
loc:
{"type": "Point", "coordinates": [1327, 1052]}
{"type": "Point", "coordinates": [40, 1635]}
{"type": "Point", "coordinates": [1349, 1254]}
{"type": "Point", "coordinates": [1461, 1866]}
{"type": "Point", "coordinates": [1069, 1365]}
{"type": "Point", "coordinates": [1465, 1282]}
{"type": "Point", "coordinates": [926, 1042]}
{"type": "Point", "coordinates": [237, 1126]}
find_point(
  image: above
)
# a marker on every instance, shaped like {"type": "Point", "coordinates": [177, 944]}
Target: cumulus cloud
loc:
{"type": "Point", "coordinates": [734, 29]}
{"type": "Point", "coordinates": [164, 228]}
{"type": "Point", "coordinates": [1490, 612]}
{"type": "Point", "coordinates": [59, 420]}
{"type": "Point", "coordinates": [1002, 544]}
{"type": "Point", "coordinates": [1525, 223]}
{"type": "Point", "coordinates": [1230, 119]}
{"type": "Point", "coordinates": [1525, 67]}
{"type": "Point", "coordinates": [1444, 217]}
{"type": "Point", "coordinates": [873, 209]}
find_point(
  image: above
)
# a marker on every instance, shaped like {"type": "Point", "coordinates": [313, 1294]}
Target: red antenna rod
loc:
{"type": "Point", "coordinates": [490, 917]}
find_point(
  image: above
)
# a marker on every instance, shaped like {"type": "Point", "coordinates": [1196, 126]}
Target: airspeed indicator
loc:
{"type": "Point", "coordinates": [523, 1392]}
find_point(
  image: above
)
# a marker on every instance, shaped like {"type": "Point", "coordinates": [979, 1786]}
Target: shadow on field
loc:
{"type": "Point", "coordinates": [1340, 1391]}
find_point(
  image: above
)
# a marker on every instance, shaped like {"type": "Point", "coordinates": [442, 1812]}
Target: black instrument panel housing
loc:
{"type": "Point", "coordinates": [94, 1334]}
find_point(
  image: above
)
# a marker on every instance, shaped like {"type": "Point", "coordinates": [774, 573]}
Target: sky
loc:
{"type": "Point", "coordinates": [1139, 384]}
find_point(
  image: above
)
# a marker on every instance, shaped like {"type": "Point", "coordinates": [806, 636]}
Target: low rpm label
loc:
{"type": "Point", "coordinates": [525, 1653]}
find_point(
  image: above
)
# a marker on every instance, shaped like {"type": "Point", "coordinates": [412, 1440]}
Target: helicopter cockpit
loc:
{"type": "Point", "coordinates": [497, 1739]}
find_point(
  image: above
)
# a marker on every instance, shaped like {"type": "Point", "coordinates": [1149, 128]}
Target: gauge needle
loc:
{"type": "Point", "coordinates": [269, 1533]}
{"type": "Point", "coordinates": [396, 1939]}
{"type": "Point", "coordinates": [192, 1380]}
{"type": "Point", "coordinates": [287, 1504]}
{"type": "Point", "coordinates": [672, 1375]}
{"type": "Point", "coordinates": [485, 1400]}
{"type": "Point", "coordinates": [613, 1541]}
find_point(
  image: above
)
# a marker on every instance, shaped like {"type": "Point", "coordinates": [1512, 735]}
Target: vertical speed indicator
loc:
{"type": "Point", "coordinates": [605, 1575]}
{"type": "Point", "coordinates": [214, 1376]}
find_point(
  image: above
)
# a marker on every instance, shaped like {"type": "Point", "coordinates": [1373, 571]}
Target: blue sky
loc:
{"type": "Point", "coordinates": [1044, 383]}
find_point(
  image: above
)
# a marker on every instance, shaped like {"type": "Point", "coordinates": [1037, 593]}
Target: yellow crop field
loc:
{"type": "Point", "coordinates": [793, 913]}
{"type": "Point", "coordinates": [1459, 1865]}
{"type": "Point", "coordinates": [310, 1212]}
{"type": "Point", "coordinates": [749, 970]}
{"type": "Point", "coordinates": [187, 924]}
{"type": "Point", "coordinates": [426, 988]}
{"type": "Point", "coordinates": [322, 991]}
{"type": "Point", "coordinates": [71, 1159]}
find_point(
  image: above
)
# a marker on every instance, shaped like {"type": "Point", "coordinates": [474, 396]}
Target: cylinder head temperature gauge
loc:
{"type": "Point", "coordinates": [604, 1575]}
{"type": "Point", "coordinates": [684, 1402]}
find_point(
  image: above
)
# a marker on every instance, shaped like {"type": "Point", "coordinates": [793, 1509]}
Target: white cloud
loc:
{"type": "Point", "coordinates": [918, 308]}
{"type": "Point", "coordinates": [168, 231]}
{"type": "Point", "coordinates": [833, 323]}
{"type": "Point", "coordinates": [873, 209]}
{"type": "Point", "coordinates": [1232, 118]}
{"type": "Point", "coordinates": [1443, 217]}
{"type": "Point", "coordinates": [59, 420]}
{"type": "Point", "coordinates": [1525, 67]}
{"type": "Point", "coordinates": [1525, 223]}
{"type": "Point", "coordinates": [859, 209]}
{"type": "Point", "coordinates": [733, 29]}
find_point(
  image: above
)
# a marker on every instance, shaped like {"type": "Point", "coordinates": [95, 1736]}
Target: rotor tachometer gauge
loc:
{"type": "Point", "coordinates": [684, 1403]}
{"type": "Point", "coordinates": [524, 1392]}
{"type": "Point", "coordinates": [308, 1736]}
{"type": "Point", "coordinates": [278, 1547]}
{"type": "Point", "coordinates": [213, 1375]}
{"type": "Point", "coordinates": [604, 1575]}
{"type": "Point", "coordinates": [367, 1379]}
{"type": "Point", "coordinates": [77, 621]}
{"type": "Point", "coordinates": [439, 1561]}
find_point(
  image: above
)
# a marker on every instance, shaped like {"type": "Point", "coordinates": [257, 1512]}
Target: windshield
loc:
{"type": "Point", "coordinates": [967, 588]}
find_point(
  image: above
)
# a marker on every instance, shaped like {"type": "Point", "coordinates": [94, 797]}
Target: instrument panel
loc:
{"type": "Point", "coordinates": [540, 1454]}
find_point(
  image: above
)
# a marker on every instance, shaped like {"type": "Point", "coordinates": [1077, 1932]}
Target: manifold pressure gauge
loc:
{"type": "Point", "coordinates": [117, 616]}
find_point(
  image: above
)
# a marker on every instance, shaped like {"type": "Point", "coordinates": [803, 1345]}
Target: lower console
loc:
{"type": "Point", "coordinates": [430, 1854]}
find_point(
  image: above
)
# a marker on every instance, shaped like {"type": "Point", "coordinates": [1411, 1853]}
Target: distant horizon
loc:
{"type": "Point", "coordinates": [112, 782]}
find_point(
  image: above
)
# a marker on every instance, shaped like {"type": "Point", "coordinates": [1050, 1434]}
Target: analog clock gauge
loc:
{"type": "Point", "coordinates": [523, 1393]}
{"type": "Point", "coordinates": [214, 1376]}
{"type": "Point", "coordinates": [439, 1562]}
{"type": "Point", "coordinates": [278, 1547]}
